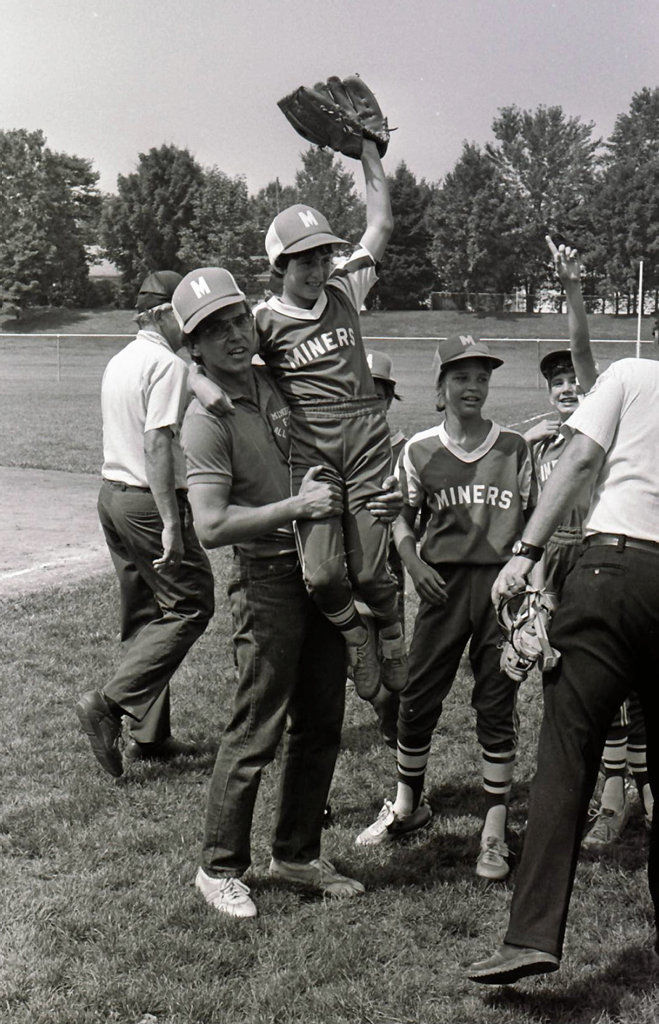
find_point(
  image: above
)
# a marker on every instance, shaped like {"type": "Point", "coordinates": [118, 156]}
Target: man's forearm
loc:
{"type": "Point", "coordinates": [236, 523]}
{"type": "Point", "coordinates": [582, 356]}
{"type": "Point", "coordinates": [159, 463]}
{"type": "Point", "coordinates": [576, 469]}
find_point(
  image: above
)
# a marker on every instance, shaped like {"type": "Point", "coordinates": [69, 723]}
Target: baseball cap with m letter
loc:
{"type": "Point", "coordinates": [202, 292]}
{"type": "Point", "coordinates": [457, 348]}
{"type": "Point", "coordinates": [296, 229]}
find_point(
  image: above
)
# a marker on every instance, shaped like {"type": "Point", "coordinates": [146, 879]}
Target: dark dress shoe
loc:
{"type": "Point", "coordinates": [512, 963]}
{"type": "Point", "coordinates": [163, 750]}
{"type": "Point", "coordinates": [102, 729]}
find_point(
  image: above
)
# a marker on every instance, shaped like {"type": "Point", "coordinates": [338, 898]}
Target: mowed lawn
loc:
{"type": "Point", "coordinates": [51, 423]}
{"type": "Point", "coordinates": [100, 923]}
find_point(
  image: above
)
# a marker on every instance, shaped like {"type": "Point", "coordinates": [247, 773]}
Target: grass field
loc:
{"type": "Point", "coordinates": [46, 424]}
{"type": "Point", "coordinates": [100, 923]}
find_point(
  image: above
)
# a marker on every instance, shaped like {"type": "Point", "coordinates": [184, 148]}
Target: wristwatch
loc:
{"type": "Point", "coordinates": [520, 547]}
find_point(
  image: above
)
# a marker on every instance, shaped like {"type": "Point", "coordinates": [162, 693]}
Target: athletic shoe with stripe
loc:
{"type": "Point", "coordinates": [607, 828]}
{"type": "Point", "coordinates": [388, 826]}
{"type": "Point", "coordinates": [318, 875]}
{"type": "Point", "coordinates": [492, 862]}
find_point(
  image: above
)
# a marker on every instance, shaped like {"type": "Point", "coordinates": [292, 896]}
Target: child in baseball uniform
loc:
{"type": "Point", "coordinates": [311, 341]}
{"type": "Point", "coordinates": [477, 479]}
{"type": "Point", "coordinates": [569, 373]}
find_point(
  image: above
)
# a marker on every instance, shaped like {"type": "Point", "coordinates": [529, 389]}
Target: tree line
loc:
{"type": "Point", "coordinates": [479, 230]}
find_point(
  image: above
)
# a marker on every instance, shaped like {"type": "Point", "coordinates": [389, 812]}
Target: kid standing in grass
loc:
{"type": "Point", "coordinates": [477, 480]}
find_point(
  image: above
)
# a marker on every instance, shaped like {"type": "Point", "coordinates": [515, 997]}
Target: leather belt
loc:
{"type": "Point", "coordinates": [620, 542]}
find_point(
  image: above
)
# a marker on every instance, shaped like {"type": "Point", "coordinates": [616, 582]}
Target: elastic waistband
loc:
{"type": "Point", "coordinates": [120, 486]}
{"type": "Point", "coordinates": [337, 410]}
{"type": "Point", "coordinates": [621, 542]}
{"type": "Point", "coordinates": [566, 538]}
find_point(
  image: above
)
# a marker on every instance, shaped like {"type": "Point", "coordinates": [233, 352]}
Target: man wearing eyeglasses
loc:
{"type": "Point", "coordinates": [291, 661]}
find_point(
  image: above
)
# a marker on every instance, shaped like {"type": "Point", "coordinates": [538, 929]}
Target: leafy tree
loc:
{"type": "Point", "coordinates": [627, 204]}
{"type": "Point", "coordinates": [142, 225]}
{"type": "Point", "coordinates": [267, 203]}
{"type": "Point", "coordinates": [325, 184]}
{"type": "Point", "coordinates": [546, 161]}
{"type": "Point", "coordinates": [407, 273]}
{"type": "Point", "coordinates": [222, 232]}
{"type": "Point", "coordinates": [474, 246]}
{"type": "Point", "coordinates": [48, 204]}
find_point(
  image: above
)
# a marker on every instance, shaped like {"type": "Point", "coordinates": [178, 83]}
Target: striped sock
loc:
{"type": "Point", "coordinates": [412, 762]}
{"type": "Point", "coordinates": [498, 766]}
{"type": "Point", "coordinates": [638, 766]}
{"type": "Point", "coordinates": [345, 618]}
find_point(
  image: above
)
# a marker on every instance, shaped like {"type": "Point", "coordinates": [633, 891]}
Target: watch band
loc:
{"type": "Point", "coordinates": [531, 551]}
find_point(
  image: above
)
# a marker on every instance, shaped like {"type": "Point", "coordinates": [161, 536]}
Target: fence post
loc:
{"type": "Point", "coordinates": [537, 364]}
{"type": "Point", "coordinates": [59, 366]}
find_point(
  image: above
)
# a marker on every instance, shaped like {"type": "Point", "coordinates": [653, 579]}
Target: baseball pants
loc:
{"type": "Point", "coordinates": [607, 630]}
{"type": "Point", "coordinates": [162, 613]}
{"type": "Point", "coordinates": [439, 639]}
{"type": "Point", "coordinates": [345, 554]}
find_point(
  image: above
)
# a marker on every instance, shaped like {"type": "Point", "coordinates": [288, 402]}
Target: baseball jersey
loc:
{"type": "Point", "coordinates": [317, 355]}
{"type": "Point", "coordinates": [477, 499]}
{"type": "Point", "coordinates": [621, 414]}
{"type": "Point", "coordinates": [144, 388]}
{"type": "Point", "coordinates": [248, 451]}
{"type": "Point", "coordinates": [545, 456]}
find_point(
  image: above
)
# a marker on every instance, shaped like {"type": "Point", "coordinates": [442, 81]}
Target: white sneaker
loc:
{"type": "Point", "coordinates": [319, 875]}
{"type": "Point", "coordinates": [388, 825]}
{"type": "Point", "coordinates": [227, 894]}
{"type": "Point", "coordinates": [492, 862]}
{"type": "Point", "coordinates": [607, 828]}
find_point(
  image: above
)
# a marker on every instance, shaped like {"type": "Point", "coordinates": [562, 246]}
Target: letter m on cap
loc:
{"type": "Point", "coordinates": [467, 340]}
{"type": "Point", "coordinates": [200, 287]}
{"type": "Point", "coordinates": [307, 218]}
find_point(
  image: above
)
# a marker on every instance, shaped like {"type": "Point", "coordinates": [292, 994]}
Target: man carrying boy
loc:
{"type": "Point", "coordinates": [290, 659]}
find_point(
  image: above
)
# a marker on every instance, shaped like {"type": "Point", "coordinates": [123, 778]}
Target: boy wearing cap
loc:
{"type": "Point", "coordinates": [477, 480]}
{"type": "Point", "coordinates": [310, 339]}
{"type": "Point", "coordinates": [290, 660]}
{"type": "Point", "coordinates": [165, 579]}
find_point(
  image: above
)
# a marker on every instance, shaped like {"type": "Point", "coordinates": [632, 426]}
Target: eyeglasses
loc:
{"type": "Point", "coordinates": [223, 329]}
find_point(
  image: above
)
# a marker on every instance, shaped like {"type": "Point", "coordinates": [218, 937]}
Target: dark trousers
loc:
{"type": "Point", "coordinates": [345, 553]}
{"type": "Point", "coordinates": [439, 639]}
{"type": "Point", "coordinates": [162, 613]}
{"type": "Point", "coordinates": [607, 630]}
{"type": "Point", "coordinates": [291, 677]}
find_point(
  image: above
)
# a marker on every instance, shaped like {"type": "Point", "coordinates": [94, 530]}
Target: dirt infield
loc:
{"type": "Point", "coordinates": [49, 530]}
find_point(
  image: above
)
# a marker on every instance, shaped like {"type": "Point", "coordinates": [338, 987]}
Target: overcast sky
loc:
{"type": "Point", "coordinates": [108, 79]}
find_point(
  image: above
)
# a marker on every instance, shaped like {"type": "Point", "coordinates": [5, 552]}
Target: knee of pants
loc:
{"type": "Point", "coordinates": [497, 735]}
{"type": "Point", "coordinates": [329, 579]}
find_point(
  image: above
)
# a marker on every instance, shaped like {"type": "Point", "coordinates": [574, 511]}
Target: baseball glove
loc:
{"type": "Point", "coordinates": [339, 114]}
{"type": "Point", "coordinates": [525, 628]}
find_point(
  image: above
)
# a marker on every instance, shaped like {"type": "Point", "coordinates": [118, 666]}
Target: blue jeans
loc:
{"type": "Point", "coordinates": [162, 613]}
{"type": "Point", "coordinates": [291, 677]}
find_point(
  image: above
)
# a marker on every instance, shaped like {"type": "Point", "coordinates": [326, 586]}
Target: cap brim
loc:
{"type": "Point", "coordinates": [494, 361]}
{"type": "Point", "coordinates": [149, 300]}
{"type": "Point", "coordinates": [312, 242]}
{"type": "Point", "coordinates": [211, 307]}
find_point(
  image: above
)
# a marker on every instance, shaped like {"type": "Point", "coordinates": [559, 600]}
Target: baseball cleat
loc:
{"type": "Point", "coordinates": [492, 863]}
{"type": "Point", "coordinates": [226, 894]}
{"type": "Point", "coordinates": [607, 828]}
{"type": "Point", "coordinates": [364, 666]}
{"type": "Point", "coordinates": [318, 875]}
{"type": "Point", "coordinates": [393, 675]}
{"type": "Point", "coordinates": [102, 729]}
{"type": "Point", "coordinates": [388, 826]}
{"type": "Point", "coordinates": [512, 963]}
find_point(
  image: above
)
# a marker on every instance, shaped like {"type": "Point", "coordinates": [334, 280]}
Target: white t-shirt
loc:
{"type": "Point", "coordinates": [621, 414]}
{"type": "Point", "coordinates": [144, 387]}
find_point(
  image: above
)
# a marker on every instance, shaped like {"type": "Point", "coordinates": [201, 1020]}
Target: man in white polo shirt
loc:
{"type": "Point", "coordinates": [607, 630]}
{"type": "Point", "coordinates": [165, 579]}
